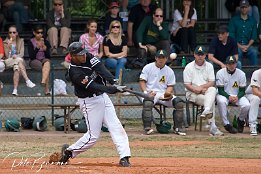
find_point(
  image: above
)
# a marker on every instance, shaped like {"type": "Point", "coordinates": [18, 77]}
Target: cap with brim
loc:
{"type": "Point", "coordinates": [222, 29]}
{"type": "Point", "coordinates": [200, 50]}
{"type": "Point", "coordinates": [161, 53]}
{"type": "Point", "coordinates": [77, 48]}
{"type": "Point", "coordinates": [231, 60]}
{"type": "Point", "coordinates": [244, 3]}
{"type": "Point", "coordinates": [114, 4]}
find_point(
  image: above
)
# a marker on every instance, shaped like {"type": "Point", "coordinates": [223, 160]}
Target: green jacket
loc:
{"type": "Point", "coordinates": [149, 33]}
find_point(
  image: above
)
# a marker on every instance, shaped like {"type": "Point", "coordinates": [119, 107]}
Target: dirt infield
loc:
{"type": "Point", "coordinates": [139, 166]}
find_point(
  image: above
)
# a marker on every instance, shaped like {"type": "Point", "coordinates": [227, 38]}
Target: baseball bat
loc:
{"type": "Point", "coordinates": [140, 94]}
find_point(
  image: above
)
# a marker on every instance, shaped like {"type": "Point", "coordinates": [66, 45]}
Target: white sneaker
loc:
{"type": "Point", "coordinates": [15, 92]}
{"type": "Point", "coordinates": [149, 131]}
{"type": "Point", "coordinates": [30, 84]}
{"type": "Point", "coordinates": [206, 114]}
{"type": "Point", "coordinates": [179, 132]}
{"type": "Point", "coordinates": [215, 132]}
{"type": "Point", "coordinates": [253, 131]}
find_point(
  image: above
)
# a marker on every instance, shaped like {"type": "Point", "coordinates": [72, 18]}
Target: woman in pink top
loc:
{"type": "Point", "coordinates": [92, 40]}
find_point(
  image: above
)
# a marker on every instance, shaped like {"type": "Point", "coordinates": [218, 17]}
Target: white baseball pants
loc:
{"type": "Point", "coordinates": [98, 110]}
{"type": "Point", "coordinates": [254, 107]}
{"type": "Point", "coordinates": [222, 103]}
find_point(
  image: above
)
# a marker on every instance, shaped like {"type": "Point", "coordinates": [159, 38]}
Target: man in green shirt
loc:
{"type": "Point", "coordinates": [152, 35]}
{"type": "Point", "coordinates": [244, 29]}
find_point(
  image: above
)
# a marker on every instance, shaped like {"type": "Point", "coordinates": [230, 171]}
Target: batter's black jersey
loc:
{"type": "Point", "coordinates": [85, 75]}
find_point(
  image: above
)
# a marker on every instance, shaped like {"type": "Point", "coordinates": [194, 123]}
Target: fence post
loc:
{"type": "Point", "coordinates": [52, 101]}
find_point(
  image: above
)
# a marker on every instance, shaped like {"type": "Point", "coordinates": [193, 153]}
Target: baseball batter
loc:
{"type": "Point", "coordinates": [231, 83]}
{"type": "Point", "coordinates": [157, 78]}
{"type": "Point", "coordinates": [253, 94]}
{"type": "Point", "coordinates": [88, 76]}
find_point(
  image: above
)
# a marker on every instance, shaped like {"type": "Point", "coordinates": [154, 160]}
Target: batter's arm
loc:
{"type": "Point", "coordinates": [104, 72]}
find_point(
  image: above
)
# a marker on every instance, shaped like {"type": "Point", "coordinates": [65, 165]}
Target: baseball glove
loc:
{"type": "Point", "coordinates": [166, 96]}
{"type": "Point", "coordinates": [55, 157]}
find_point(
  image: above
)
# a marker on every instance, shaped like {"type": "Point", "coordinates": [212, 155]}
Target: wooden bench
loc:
{"type": "Point", "coordinates": [70, 108]}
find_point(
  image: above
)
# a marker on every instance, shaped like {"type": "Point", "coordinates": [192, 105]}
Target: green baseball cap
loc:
{"type": "Point", "coordinates": [161, 53]}
{"type": "Point", "coordinates": [200, 50]}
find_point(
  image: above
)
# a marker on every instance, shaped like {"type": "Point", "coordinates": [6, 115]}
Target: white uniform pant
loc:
{"type": "Point", "coordinates": [254, 107]}
{"type": "Point", "coordinates": [207, 100]}
{"type": "Point", "coordinates": [98, 110]}
{"type": "Point", "coordinates": [222, 103]}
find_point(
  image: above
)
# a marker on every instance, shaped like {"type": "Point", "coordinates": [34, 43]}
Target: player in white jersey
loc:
{"type": "Point", "coordinates": [253, 94]}
{"type": "Point", "coordinates": [231, 83]}
{"type": "Point", "coordinates": [157, 78]}
{"type": "Point", "coordinates": [199, 79]}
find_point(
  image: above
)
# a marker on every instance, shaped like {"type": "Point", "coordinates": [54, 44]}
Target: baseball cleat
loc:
{"type": "Point", "coordinates": [240, 125]}
{"type": "Point", "coordinates": [124, 162]}
{"type": "Point", "coordinates": [66, 154]}
{"type": "Point", "coordinates": [253, 131]}
{"type": "Point", "coordinates": [230, 129]}
{"type": "Point", "coordinates": [206, 114]}
{"type": "Point", "coordinates": [215, 132]}
{"type": "Point", "coordinates": [179, 132]}
{"type": "Point", "coordinates": [149, 131]}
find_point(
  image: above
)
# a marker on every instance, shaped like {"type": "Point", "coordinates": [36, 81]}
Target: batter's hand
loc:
{"type": "Point", "coordinates": [120, 88]}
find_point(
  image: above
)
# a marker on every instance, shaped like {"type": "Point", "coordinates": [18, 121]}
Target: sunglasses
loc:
{"type": "Point", "coordinates": [39, 32]}
{"type": "Point", "coordinates": [57, 4]}
{"type": "Point", "coordinates": [12, 32]}
{"type": "Point", "coordinates": [158, 16]}
{"type": "Point", "coordinates": [115, 26]}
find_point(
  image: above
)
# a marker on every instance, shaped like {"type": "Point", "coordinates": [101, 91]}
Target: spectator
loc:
{"type": "Point", "coordinates": [231, 83]}
{"type": "Point", "coordinates": [124, 15]}
{"type": "Point", "coordinates": [111, 16]}
{"type": "Point", "coordinates": [157, 78]}
{"type": "Point", "coordinates": [132, 3]}
{"type": "Point", "coordinates": [2, 53]}
{"type": "Point", "coordinates": [244, 29]}
{"type": "Point", "coordinates": [14, 10]}
{"type": "Point", "coordinates": [199, 81]}
{"type": "Point", "coordinates": [152, 35]}
{"type": "Point", "coordinates": [137, 13]}
{"type": "Point", "coordinates": [14, 53]}
{"type": "Point", "coordinates": [222, 46]}
{"type": "Point", "coordinates": [115, 48]}
{"type": "Point", "coordinates": [183, 28]}
{"type": "Point", "coordinates": [39, 53]}
{"type": "Point", "coordinates": [92, 40]}
{"type": "Point", "coordinates": [253, 94]}
{"type": "Point", "coordinates": [58, 21]}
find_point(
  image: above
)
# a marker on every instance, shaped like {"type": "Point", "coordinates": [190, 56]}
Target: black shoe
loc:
{"type": "Point", "coordinates": [124, 162]}
{"type": "Point", "coordinates": [66, 154]}
{"type": "Point", "coordinates": [230, 129]}
{"type": "Point", "coordinates": [240, 125]}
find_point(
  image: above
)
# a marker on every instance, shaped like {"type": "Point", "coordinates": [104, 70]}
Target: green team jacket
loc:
{"type": "Point", "coordinates": [149, 33]}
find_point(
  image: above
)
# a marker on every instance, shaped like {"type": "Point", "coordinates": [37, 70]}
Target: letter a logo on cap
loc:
{"type": "Point", "coordinates": [200, 49]}
{"type": "Point", "coordinates": [161, 52]}
{"type": "Point", "coordinates": [231, 58]}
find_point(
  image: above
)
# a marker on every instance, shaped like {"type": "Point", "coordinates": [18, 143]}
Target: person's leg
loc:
{"type": "Point", "coordinates": [192, 38]}
{"type": "Point", "coordinates": [240, 55]}
{"type": "Point", "coordinates": [65, 35]}
{"type": "Point", "coordinates": [120, 65]}
{"type": "Point", "coordinates": [254, 107]}
{"type": "Point", "coordinates": [222, 103]}
{"type": "Point", "coordinates": [45, 75]}
{"type": "Point", "coordinates": [117, 132]}
{"type": "Point", "coordinates": [16, 79]}
{"type": "Point", "coordinates": [244, 105]}
{"type": "Point", "coordinates": [53, 37]}
{"type": "Point", "coordinates": [178, 114]}
{"type": "Point", "coordinates": [93, 110]}
{"type": "Point", "coordinates": [252, 55]}
{"type": "Point", "coordinates": [183, 34]}
{"type": "Point", "coordinates": [142, 54]}
{"type": "Point", "coordinates": [147, 116]}
{"type": "Point", "coordinates": [111, 63]}
{"type": "Point", "coordinates": [151, 53]}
